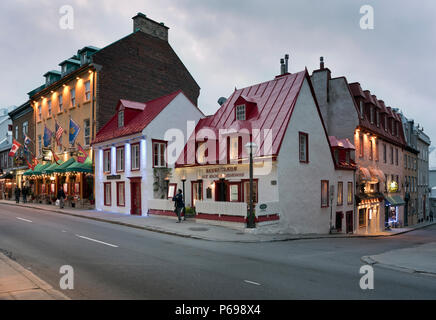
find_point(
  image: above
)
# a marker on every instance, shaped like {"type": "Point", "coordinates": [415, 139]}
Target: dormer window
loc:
{"type": "Point", "coordinates": [361, 109]}
{"type": "Point", "coordinates": [120, 118]}
{"type": "Point", "coordinates": [64, 69]}
{"type": "Point", "coordinates": [377, 117]}
{"type": "Point", "coordinates": [372, 115]}
{"type": "Point", "coordinates": [241, 112]}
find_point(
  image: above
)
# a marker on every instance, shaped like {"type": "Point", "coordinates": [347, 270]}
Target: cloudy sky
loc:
{"type": "Point", "coordinates": [228, 43]}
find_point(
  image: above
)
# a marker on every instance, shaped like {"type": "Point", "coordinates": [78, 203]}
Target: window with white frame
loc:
{"type": "Point", "coordinates": [86, 132]}
{"type": "Point", "coordinates": [25, 128]}
{"type": "Point", "coordinates": [234, 148]}
{"type": "Point", "coordinates": [16, 132]}
{"type": "Point", "coordinates": [303, 147]}
{"type": "Point", "coordinates": [234, 192]}
{"type": "Point", "coordinates": [120, 159]}
{"type": "Point", "coordinates": [120, 118]}
{"type": "Point", "coordinates": [87, 90]}
{"type": "Point", "coordinates": [49, 108]}
{"type": "Point", "coordinates": [135, 156]}
{"type": "Point", "coordinates": [121, 199]}
{"type": "Point", "coordinates": [159, 154]}
{"type": "Point", "coordinates": [107, 194]}
{"type": "Point", "coordinates": [39, 113]}
{"type": "Point", "coordinates": [240, 112]}
{"type": "Point", "coordinates": [73, 97]}
{"type": "Point", "coordinates": [61, 105]}
{"type": "Point", "coordinates": [107, 160]}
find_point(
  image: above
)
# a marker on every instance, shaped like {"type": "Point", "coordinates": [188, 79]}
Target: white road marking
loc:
{"type": "Point", "coordinates": [98, 241]}
{"type": "Point", "coordinates": [23, 219]}
{"type": "Point", "coordinates": [252, 282]}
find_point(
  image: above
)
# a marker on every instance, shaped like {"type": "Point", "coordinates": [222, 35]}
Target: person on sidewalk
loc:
{"type": "Point", "coordinates": [25, 192]}
{"type": "Point", "coordinates": [431, 215]}
{"type": "Point", "coordinates": [61, 197]}
{"type": "Point", "coordinates": [17, 194]}
{"type": "Point", "coordinates": [179, 205]}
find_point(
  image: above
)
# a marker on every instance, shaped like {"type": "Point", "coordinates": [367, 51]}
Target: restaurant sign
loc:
{"type": "Point", "coordinates": [114, 177]}
{"type": "Point", "coordinates": [222, 172]}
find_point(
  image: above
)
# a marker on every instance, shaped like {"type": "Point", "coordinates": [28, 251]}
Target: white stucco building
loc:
{"type": "Point", "coordinates": [131, 156]}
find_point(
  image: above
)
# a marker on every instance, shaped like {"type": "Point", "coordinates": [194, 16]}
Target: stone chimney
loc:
{"type": "Point", "coordinates": [150, 27]}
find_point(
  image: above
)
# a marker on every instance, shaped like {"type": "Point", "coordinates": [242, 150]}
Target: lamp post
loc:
{"type": "Point", "coordinates": [251, 148]}
{"type": "Point", "coordinates": [183, 189]}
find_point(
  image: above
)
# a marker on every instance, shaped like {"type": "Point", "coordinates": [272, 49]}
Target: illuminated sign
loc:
{"type": "Point", "coordinates": [393, 187]}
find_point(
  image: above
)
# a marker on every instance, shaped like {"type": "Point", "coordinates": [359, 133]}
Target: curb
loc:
{"type": "Point", "coordinates": [158, 230]}
{"type": "Point", "coordinates": [41, 284]}
{"type": "Point", "coordinates": [369, 260]}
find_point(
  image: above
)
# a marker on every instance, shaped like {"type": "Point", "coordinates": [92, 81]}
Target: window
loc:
{"type": "Point", "coordinates": [107, 160]}
{"type": "Point", "coordinates": [234, 192]}
{"type": "Point", "coordinates": [87, 132]}
{"type": "Point", "coordinates": [234, 148]}
{"type": "Point", "coordinates": [87, 90]}
{"type": "Point", "coordinates": [324, 193]}
{"type": "Point", "coordinates": [201, 152]}
{"type": "Point", "coordinates": [396, 156]}
{"type": "Point", "coordinates": [172, 190]}
{"type": "Point", "coordinates": [336, 153]}
{"type": "Point", "coordinates": [134, 148]}
{"type": "Point", "coordinates": [371, 149]}
{"type": "Point", "coordinates": [361, 146]}
{"type": "Point", "coordinates": [73, 98]}
{"type": "Point", "coordinates": [39, 145]}
{"type": "Point", "coordinates": [397, 129]}
{"type": "Point", "coordinates": [377, 118]}
{"type": "Point", "coordinates": [107, 194]}
{"type": "Point", "coordinates": [120, 118]}
{"type": "Point", "coordinates": [350, 193]}
{"type": "Point", "coordinates": [362, 217]}
{"type": "Point", "coordinates": [347, 156]}
{"type": "Point", "coordinates": [240, 112]}
{"type": "Point", "coordinates": [371, 115]}
{"type": "Point", "coordinates": [392, 155]}
{"type": "Point", "coordinates": [121, 194]}
{"type": "Point", "coordinates": [61, 106]}
{"type": "Point", "coordinates": [340, 193]}
{"type": "Point", "coordinates": [376, 151]}
{"type": "Point", "coordinates": [386, 122]}
{"type": "Point", "coordinates": [159, 154]}
{"type": "Point", "coordinates": [361, 109]}
{"type": "Point", "coordinates": [49, 108]}
{"type": "Point", "coordinates": [405, 161]}
{"type": "Point", "coordinates": [304, 147]}
{"type": "Point", "coordinates": [120, 159]}
{"type": "Point", "coordinates": [247, 191]}
{"type": "Point", "coordinates": [16, 132]}
{"type": "Point", "coordinates": [39, 113]}
{"type": "Point", "coordinates": [25, 128]}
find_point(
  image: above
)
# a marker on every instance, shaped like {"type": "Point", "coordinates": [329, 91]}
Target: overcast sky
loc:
{"type": "Point", "coordinates": [228, 43]}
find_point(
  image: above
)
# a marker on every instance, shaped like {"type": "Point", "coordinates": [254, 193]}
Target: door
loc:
{"type": "Point", "coordinates": [349, 218]}
{"type": "Point", "coordinates": [338, 225]}
{"type": "Point", "coordinates": [135, 191]}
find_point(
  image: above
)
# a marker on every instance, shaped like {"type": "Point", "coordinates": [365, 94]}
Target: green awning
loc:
{"type": "Point", "coordinates": [38, 171]}
{"type": "Point", "coordinates": [50, 168]}
{"type": "Point", "coordinates": [31, 172]}
{"type": "Point", "coordinates": [61, 168]}
{"type": "Point", "coordinates": [394, 200]}
{"type": "Point", "coordinates": [81, 167]}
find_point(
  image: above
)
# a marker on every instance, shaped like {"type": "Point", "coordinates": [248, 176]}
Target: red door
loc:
{"type": "Point", "coordinates": [135, 191]}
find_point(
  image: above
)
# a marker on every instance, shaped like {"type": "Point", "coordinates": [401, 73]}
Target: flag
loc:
{"type": "Point", "coordinates": [27, 140]}
{"type": "Point", "coordinates": [33, 164]}
{"type": "Point", "coordinates": [55, 157]}
{"type": "Point", "coordinates": [47, 136]}
{"type": "Point", "coordinates": [74, 131]}
{"type": "Point", "coordinates": [14, 149]}
{"type": "Point", "coordinates": [59, 130]}
{"type": "Point", "coordinates": [81, 154]}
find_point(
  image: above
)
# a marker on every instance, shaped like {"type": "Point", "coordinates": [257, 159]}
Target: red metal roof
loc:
{"type": "Point", "coordinates": [137, 116]}
{"type": "Point", "coordinates": [274, 100]}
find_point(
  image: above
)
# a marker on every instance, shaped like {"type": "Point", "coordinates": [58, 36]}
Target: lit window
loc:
{"type": "Point", "coordinates": [201, 152]}
{"type": "Point", "coordinates": [361, 149]}
{"type": "Point", "coordinates": [120, 118]}
{"type": "Point", "coordinates": [303, 140]}
{"type": "Point", "coordinates": [324, 193]}
{"type": "Point", "coordinates": [234, 192]}
{"type": "Point", "coordinates": [362, 217]}
{"type": "Point", "coordinates": [87, 132]}
{"type": "Point", "coordinates": [120, 159]}
{"type": "Point", "coordinates": [107, 194]}
{"type": "Point", "coordinates": [87, 90]}
{"type": "Point", "coordinates": [371, 150]}
{"type": "Point", "coordinates": [107, 160]}
{"type": "Point", "coordinates": [135, 156]}
{"type": "Point", "coordinates": [159, 154]}
{"type": "Point", "coordinates": [240, 112]}
{"type": "Point", "coordinates": [121, 194]}
{"type": "Point", "coordinates": [234, 148]}
{"type": "Point", "coordinates": [340, 193]}
{"type": "Point", "coordinates": [350, 193]}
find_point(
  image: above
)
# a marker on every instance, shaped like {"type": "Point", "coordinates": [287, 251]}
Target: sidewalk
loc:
{"type": "Point", "coordinates": [17, 283]}
{"type": "Point", "coordinates": [420, 259]}
{"type": "Point", "coordinates": [195, 229]}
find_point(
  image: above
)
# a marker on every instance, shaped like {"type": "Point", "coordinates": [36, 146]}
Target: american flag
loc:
{"type": "Point", "coordinates": [59, 132]}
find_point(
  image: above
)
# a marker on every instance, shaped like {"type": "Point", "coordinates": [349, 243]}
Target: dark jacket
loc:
{"type": "Point", "coordinates": [61, 194]}
{"type": "Point", "coordinates": [17, 192]}
{"type": "Point", "coordinates": [179, 201]}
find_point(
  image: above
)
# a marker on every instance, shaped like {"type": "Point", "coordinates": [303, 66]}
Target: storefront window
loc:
{"type": "Point", "coordinates": [362, 217]}
{"type": "Point", "coordinates": [120, 194]}
{"type": "Point", "coordinates": [234, 192]}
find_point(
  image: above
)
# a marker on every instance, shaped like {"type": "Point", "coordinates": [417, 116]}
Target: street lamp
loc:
{"type": "Point", "coordinates": [183, 181]}
{"type": "Point", "coordinates": [251, 148]}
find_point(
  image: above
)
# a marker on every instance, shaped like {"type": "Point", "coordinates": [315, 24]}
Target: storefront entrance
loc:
{"type": "Point", "coordinates": [349, 219]}
{"type": "Point", "coordinates": [135, 192]}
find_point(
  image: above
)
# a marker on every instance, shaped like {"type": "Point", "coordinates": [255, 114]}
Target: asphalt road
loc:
{"type": "Point", "coordinates": [117, 262]}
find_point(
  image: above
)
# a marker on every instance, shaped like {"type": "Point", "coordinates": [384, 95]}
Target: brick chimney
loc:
{"type": "Point", "coordinates": [151, 27]}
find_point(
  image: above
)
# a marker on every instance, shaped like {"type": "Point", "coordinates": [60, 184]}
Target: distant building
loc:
{"type": "Point", "coordinates": [423, 175]}
{"type": "Point", "coordinates": [6, 163]}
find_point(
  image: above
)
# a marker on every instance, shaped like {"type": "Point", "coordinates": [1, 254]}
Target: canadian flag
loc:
{"type": "Point", "coordinates": [14, 149]}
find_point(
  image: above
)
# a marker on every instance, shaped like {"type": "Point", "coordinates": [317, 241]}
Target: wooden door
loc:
{"type": "Point", "coordinates": [135, 191]}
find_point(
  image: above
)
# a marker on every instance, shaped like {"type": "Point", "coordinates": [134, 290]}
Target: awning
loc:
{"type": "Point", "coordinates": [394, 201]}
{"type": "Point", "coordinates": [37, 170]}
{"type": "Point", "coordinates": [61, 168]}
{"type": "Point", "coordinates": [50, 168]}
{"type": "Point", "coordinates": [377, 174]}
{"type": "Point", "coordinates": [80, 167]}
{"type": "Point", "coordinates": [7, 176]}
{"type": "Point", "coordinates": [364, 174]}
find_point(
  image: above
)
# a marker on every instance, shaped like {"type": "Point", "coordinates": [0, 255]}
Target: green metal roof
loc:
{"type": "Point", "coordinates": [395, 200]}
{"type": "Point", "coordinates": [37, 170]}
{"type": "Point", "coordinates": [63, 166]}
{"type": "Point", "coordinates": [50, 168]}
{"type": "Point", "coordinates": [81, 167]}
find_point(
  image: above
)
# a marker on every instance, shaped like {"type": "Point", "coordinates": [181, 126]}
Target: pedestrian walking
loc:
{"type": "Point", "coordinates": [179, 205]}
{"type": "Point", "coordinates": [25, 192]}
{"type": "Point", "coordinates": [17, 194]}
{"type": "Point", "coordinates": [431, 215]}
{"type": "Point", "coordinates": [61, 197]}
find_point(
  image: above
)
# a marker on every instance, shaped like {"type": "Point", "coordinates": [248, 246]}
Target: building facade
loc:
{"type": "Point", "coordinates": [423, 175]}
{"type": "Point", "coordinates": [7, 182]}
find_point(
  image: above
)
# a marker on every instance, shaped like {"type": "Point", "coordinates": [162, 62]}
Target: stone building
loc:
{"type": "Point", "coordinates": [423, 175]}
